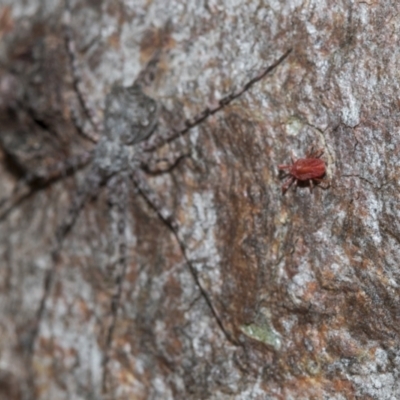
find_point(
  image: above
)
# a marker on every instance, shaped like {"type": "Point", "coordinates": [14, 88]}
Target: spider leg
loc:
{"type": "Point", "coordinates": [139, 179]}
{"type": "Point", "coordinates": [155, 165]}
{"type": "Point", "coordinates": [42, 178]}
{"type": "Point", "coordinates": [158, 141]}
{"type": "Point", "coordinates": [84, 128]}
{"type": "Point", "coordinates": [118, 198]}
{"type": "Point", "coordinates": [152, 199]}
{"type": "Point", "coordinates": [76, 70]}
{"type": "Point", "coordinates": [90, 188]}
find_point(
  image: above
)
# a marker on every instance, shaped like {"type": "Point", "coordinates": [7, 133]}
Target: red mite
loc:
{"type": "Point", "coordinates": [310, 169]}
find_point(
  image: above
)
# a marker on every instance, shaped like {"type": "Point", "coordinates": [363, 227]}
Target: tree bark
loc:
{"type": "Point", "coordinates": [257, 295]}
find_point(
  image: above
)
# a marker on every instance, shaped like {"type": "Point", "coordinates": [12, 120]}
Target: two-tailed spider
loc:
{"type": "Point", "coordinates": [123, 150]}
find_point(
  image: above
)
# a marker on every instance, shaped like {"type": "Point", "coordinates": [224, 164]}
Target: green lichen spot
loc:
{"type": "Point", "coordinates": [263, 331]}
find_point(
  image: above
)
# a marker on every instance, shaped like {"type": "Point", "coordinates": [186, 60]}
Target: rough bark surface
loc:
{"type": "Point", "coordinates": [306, 285]}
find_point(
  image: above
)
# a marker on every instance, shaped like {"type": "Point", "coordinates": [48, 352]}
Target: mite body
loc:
{"type": "Point", "coordinates": [310, 169]}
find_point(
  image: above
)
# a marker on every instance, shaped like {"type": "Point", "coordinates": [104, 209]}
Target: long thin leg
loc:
{"type": "Point", "coordinates": [158, 141]}
{"type": "Point", "coordinates": [155, 165]}
{"type": "Point", "coordinates": [152, 199]}
{"type": "Point", "coordinates": [90, 188]}
{"type": "Point", "coordinates": [118, 197]}
{"type": "Point", "coordinates": [84, 127]}
{"type": "Point", "coordinates": [60, 169]}
{"type": "Point", "coordinates": [42, 178]}
{"type": "Point", "coordinates": [139, 179]}
{"type": "Point", "coordinates": [84, 98]}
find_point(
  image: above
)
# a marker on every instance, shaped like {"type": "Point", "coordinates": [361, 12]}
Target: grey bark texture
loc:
{"type": "Point", "coordinates": [297, 296]}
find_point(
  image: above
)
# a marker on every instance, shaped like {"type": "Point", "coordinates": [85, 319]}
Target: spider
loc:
{"type": "Point", "coordinates": [122, 154]}
{"type": "Point", "coordinates": [308, 169]}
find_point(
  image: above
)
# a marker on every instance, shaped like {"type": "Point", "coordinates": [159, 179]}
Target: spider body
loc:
{"type": "Point", "coordinates": [130, 117]}
{"type": "Point", "coordinates": [125, 143]}
{"type": "Point", "coordinates": [310, 169]}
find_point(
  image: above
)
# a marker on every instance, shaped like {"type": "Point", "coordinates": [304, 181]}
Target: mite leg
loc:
{"type": "Point", "coordinates": [152, 199]}
{"type": "Point", "coordinates": [282, 167]}
{"type": "Point", "coordinates": [286, 185]}
{"type": "Point", "coordinates": [318, 153]}
{"type": "Point", "coordinates": [311, 185]}
{"type": "Point", "coordinates": [296, 184]}
{"type": "Point", "coordinates": [312, 153]}
{"type": "Point", "coordinates": [292, 156]}
{"type": "Point", "coordinates": [90, 188]}
{"type": "Point", "coordinates": [322, 183]}
{"type": "Point", "coordinates": [118, 199]}
{"type": "Point", "coordinates": [42, 178]}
